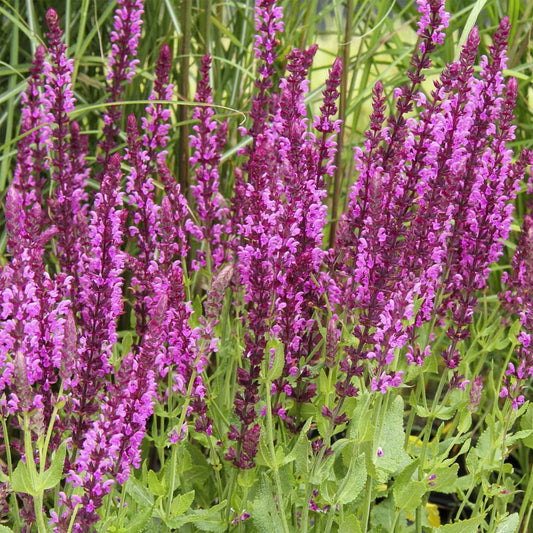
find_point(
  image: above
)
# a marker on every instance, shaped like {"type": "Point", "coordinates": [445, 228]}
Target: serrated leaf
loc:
{"type": "Point", "coordinates": [155, 486]}
{"type": "Point", "coordinates": [265, 514]}
{"type": "Point", "coordinates": [204, 519]}
{"type": "Point", "coordinates": [409, 496]}
{"type": "Point", "coordinates": [52, 476]}
{"type": "Point", "coordinates": [465, 421]}
{"type": "Point", "coordinates": [264, 457]}
{"type": "Point", "coordinates": [465, 526]}
{"type": "Point", "coordinates": [509, 524]}
{"type": "Point", "coordinates": [350, 524]}
{"type": "Point", "coordinates": [514, 330]}
{"type": "Point", "coordinates": [356, 482]}
{"type": "Point", "coordinates": [472, 461]}
{"type": "Point", "coordinates": [392, 439]}
{"type": "Point", "coordinates": [445, 479]}
{"type": "Point", "coordinates": [181, 503]}
{"type": "Point", "coordinates": [324, 470]}
{"type": "Point", "coordinates": [296, 449]}
{"type": "Point", "coordinates": [139, 522]}
{"type": "Point", "coordinates": [5, 529]}
{"type": "Point", "coordinates": [519, 435]}
{"type": "Point", "coordinates": [382, 516]}
{"type": "Point", "coordinates": [443, 412]}
{"type": "Point", "coordinates": [465, 447]}
{"type": "Point", "coordinates": [20, 480]}
{"type": "Point", "coordinates": [139, 493]}
{"type": "Point", "coordinates": [408, 492]}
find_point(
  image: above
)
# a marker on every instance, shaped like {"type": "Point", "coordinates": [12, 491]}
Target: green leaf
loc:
{"type": "Point", "coordinates": [407, 491]}
{"type": "Point", "coordinates": [265, 514]}
{"type": "Point", "coordinates": [445, 479]}
{"type": "Point", "coordinates": [350, 524]}
{"type": "Point", "coordinates": [21, 481]}
{"type": "Point", "coordinates": [470, 23]}
{"type": "Point", "coordinates": [293, 454]}
{"type": "Point", "coordinates": [264, 457]}
{"type": "Point", "coordinates": [276, 369]}
{"type": "Point", "coordinates": [465, 421]}
{"type": "Point", "coordinates": [526, 422]}
{"type": "Point", "coordinates": [382, 516]}
{"type": "Point", "coordinates": [356, 481]}
{"type": "Point", "coordinates": [204, 519]}
{"type": "Point", "coordinates": [52, 476]}
{"type": "Point", "coordinates": [139, 522]}
{"type": "Point", "coordinates": [409, 496]}
{"type": "Point", "coordinates": [300, 451]}
{"type": "Point", "coordinates": [139, 492]}
{"type": "Point", "coordinates": [392, 439]}
{"type": "Point", "coordinates": [444, 412]}
{"type": "Point", "coordinates": [465, 526]}
{"type": "Point", "coordinates": [156, 487]}
{"type": "Point", "coordinates": [511, 438]}
{"type": "Point", "coordinates": [509, 524]}
{"type": "Point", "coordinates": [324, 470]}
{"type": "Point", "coordinates": [127, 342]}
{"type": "Point", "coordinates": [4, 529]}
{"type": "Point", "coordinates": [181, 503]}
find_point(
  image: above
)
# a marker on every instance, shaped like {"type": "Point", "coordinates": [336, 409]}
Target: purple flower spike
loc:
{"type": "Point", "coordinates": [67, 163]}
{"type": "Point", "coordinates": [33, 311]}
{"type": "Point", "coordinates": [327, 147]}
{"type": "Point", "coordinates": [157, 126]}
{"type": "Point", "coordinates": [122, 63]}
{"type": "Point", "coordinates": [100, 303]}
{"type": "Point", "coordinates": [517, 299]}
{"type": "Point", "coordinates": [431, 206]}
{"type": "Point", "coordinates": [32, 148]}
{"type": "Point", "coordinates": [268, 23]}
{"type": "Point", "coordinates": [207, 144]}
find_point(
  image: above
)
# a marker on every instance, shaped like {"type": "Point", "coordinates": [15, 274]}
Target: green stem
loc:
{"type": "Point", "coordinates": [230, 487]}
{"type": "Point", "coordinates": [13, 497]}
{"type": "Point", "coordinates": [368, 501]}
{"type": "Point", "coordinates": [32, 471]}
{"type": "Point", "coordinates": [270, 437]}
{"type": "Point", "coordinates": [425, 443]}
{"type": "Point", "coordinates": [412, 413]}
{"type": "Point", "coordinates": [174, 454]}
{"type": "Point", "coordinates": [317, 460]}
{"type": "Point", "coordinates": [331, 511]}
{"type": "Point", "coordinates": [526, 502]}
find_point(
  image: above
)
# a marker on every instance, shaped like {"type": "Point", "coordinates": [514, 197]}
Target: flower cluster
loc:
{"type": "Point", "coordinates": [431, 206]}
{"type": "Point", "coordinates": [121, 67]}
{"type": "Point", "coordinates": [207, 144]}
{"type": "Point", "coordinates": [280, 215]}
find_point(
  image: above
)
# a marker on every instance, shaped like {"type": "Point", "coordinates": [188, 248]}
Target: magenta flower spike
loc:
{"type": "Point", "coordinates": [67, 164]}
{"type": "Point", "coordinates": [207, 143]}
{"type": "Point", "coordinates": [100, 303]}
{"type": "Point", "coordinates": [156, 122]}
{"type": "Point", "coordinates": [121, 67]}
{"type": "Point", "coordinates": [32, 148]}
{"type": "Point", "coordinates": [33, 312]}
